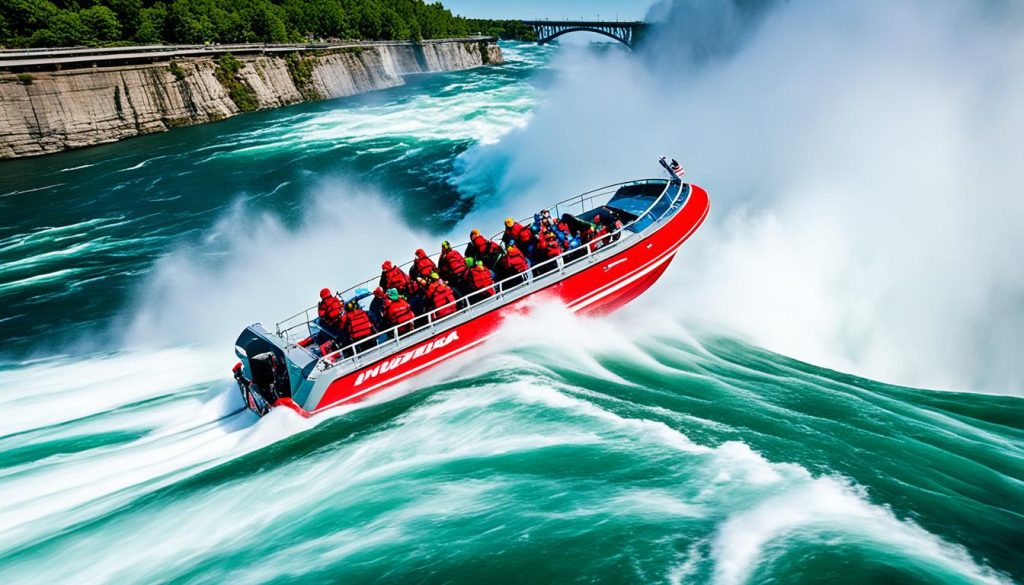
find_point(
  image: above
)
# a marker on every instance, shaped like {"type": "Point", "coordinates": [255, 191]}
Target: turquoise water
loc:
{"type": "Point", "coordinates": [617, 450]}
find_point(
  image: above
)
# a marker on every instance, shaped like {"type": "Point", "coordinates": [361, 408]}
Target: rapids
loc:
{"type": "Point", "coordinates": [646, 447]}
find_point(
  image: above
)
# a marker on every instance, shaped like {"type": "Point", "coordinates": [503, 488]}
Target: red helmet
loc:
{"type": "Point", "coordinates": [378, 292]}
{"type": "Point", "coordinates": [420, 253]}
{"type": "Point", "coordinates": [324, 293]}
{"type": "Point", "coordinates": [387, 265]}
{"type": "Point", "coordinates": [597, 219]}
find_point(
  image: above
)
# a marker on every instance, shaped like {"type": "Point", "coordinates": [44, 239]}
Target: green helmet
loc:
{"type": "Point", "coordinates": [445, 245]}
{"type": "Point", "coordinates": [479, 262]}
{"type": "Point", "coordinates": [435, 276]}
{"type": "Point", "coordinates": [393, 294]}
{"type": "Point", "coordinates": [469, 261]}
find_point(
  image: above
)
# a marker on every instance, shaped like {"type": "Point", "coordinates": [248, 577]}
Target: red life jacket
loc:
{"type": "Point", "coordinates": [395, 279]}
{"type": "Point", "coordinates": [454, 262]}
{"type": "Point", "coordinates": [524, 235]}
{"type": "Point", "coordinates": [549, 245]}
{"type": "Point", "coordinates": [423, 267]}
{"type": "Point", "coordinates": [412, 287]}
{"type": "Point", "coordinates": [515, 260]}
{"type": "Point", "coordinates": [512, 233]}
{"type": "Point", "coordinates": [482, 279]}
{"type": "Point", "coordinates": [358, 324]}
{"type": "Point", "coordinates": [399, 312]}
{"type": "Point", "coordinates": [442, 295]}
{"type": "Point", "coordinates": [330, 310]}
{"type": "Point", "coordinates": [482, 245]}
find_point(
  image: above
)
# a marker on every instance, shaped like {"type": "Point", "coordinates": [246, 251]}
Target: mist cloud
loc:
{"type": "Point", "coordinates": [253, 267]}
{"type": "Point", "coordinates": [862, 160]}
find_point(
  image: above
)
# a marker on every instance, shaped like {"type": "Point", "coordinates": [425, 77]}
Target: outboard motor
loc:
{"type": "Point", "coordinates": [269, 369]}
{"type": "Point", "coordinates": [269, 382]}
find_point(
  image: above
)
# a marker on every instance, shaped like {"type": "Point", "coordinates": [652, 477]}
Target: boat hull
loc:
{"type": "Point", "coordinates": [605, 286]}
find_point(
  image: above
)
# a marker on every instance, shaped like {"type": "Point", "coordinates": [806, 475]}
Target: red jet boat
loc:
{"type": "Point", "coordinates": [285, 368]}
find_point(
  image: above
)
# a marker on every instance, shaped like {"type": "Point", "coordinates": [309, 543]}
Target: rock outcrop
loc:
{"type": "Point", "coordinates": [55, 111]}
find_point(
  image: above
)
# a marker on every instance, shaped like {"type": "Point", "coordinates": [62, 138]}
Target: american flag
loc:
{"type": "Point", "coordinates": [673, 167]}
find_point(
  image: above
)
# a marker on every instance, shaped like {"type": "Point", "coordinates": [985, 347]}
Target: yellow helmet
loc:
{"type": "Point", "coordinates": [509, 221]}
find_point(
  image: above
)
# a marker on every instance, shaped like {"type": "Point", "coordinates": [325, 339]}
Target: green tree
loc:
{"type": "Point", "coordinates": [152, 23]}
{"type": "Point", "coordinates": [101, 23]}
{"type": "Point", "coordinates": [129, 15]}
{"type": "Point", "coordinates": [24, 17]}
{"type": "Point", "coordinates": [70, 22]}
{"type": "Point", "coordinates": [67, 29]}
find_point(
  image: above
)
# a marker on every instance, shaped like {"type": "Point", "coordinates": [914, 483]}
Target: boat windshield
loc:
{"type": "Point", "coordinates": [642, 201]}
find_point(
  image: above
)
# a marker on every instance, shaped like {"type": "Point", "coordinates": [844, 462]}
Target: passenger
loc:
{"type": "Point", "coordinates": [435, 279]}
{"type": "Point", "coordinates": [441, 297]}
{"type": "Point", "coordinates": [377, 308]}
{"type": "Point", "coordinates": [512, 263]}
{"type": "Point", "coordinates": [573, 248]}
{"type": "Point", "coordinates": [563, 234]}
{"type": "Point", "coordinates": [554, 248]}
{"type": "Point", "coordinates": [617, 231]}
{"type": "Point", "coordinates": [359, 327]}
{"type": "Point", "coordinates": [453, 265]}
{"type": "Point", "coordinates": [414, 287]}
{"type": "Point", "coordinates": [575, 241]}
{"type": "Point", "coordinates": [482, 280]}
{"type": "Point", "coordinates": [418, 297]}
{"type": "Point", "coordinates": [486, 250]}
{"type": "Point", "coordinates": [517, 234]}
{"type": "Point", "coordinates": [547, 248]}
{"type": "Point", "coordinates": [418, 302]}
{"type": "Point", "coordinates": [329, 310]}
{"type": "Point", "coordinates": [512, 229]}
{"type": "Point", "coordinates": [422, 265]}
{"type": "Point", "coordinates": [399, 312]}
{"type": "Point", "coordinates": [471, 246]}
{"type": "Point", "coordinates": [392, 276]}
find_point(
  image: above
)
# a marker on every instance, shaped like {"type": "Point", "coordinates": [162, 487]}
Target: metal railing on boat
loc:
{"type": "Point", "coordinates": [515, 286]}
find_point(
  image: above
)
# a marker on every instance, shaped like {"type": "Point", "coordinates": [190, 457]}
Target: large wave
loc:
{"type": "Point", "coordinates": [861, 159]}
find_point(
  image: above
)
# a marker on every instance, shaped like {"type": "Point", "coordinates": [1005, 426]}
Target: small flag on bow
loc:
{"type": "Point", "coordinates": [673, 167]}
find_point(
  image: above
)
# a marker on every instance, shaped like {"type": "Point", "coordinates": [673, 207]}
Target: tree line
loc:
{"type": "Point", "coordinates": [60, 23]}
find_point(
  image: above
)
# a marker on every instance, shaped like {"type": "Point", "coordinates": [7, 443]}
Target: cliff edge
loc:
{"type": "Point", "coordinates": [52, 111]}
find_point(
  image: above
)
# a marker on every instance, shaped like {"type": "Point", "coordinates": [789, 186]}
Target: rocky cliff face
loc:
{"type": "Point", "coordinates": [75, 108]}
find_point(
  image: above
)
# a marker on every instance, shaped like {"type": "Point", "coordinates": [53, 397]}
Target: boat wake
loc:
{"type": "Point", "coordinates": [574, 440]}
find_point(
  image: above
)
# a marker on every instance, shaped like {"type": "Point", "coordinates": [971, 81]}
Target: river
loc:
{"type": "Point", "coordinates": [641, 448]}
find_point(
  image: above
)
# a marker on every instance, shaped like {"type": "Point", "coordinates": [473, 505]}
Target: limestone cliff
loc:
{"type": "Point", "coordinates": [74, 108]}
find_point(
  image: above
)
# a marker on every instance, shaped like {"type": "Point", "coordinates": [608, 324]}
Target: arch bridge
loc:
{"type": "Point", "coordinates": [627, 33]}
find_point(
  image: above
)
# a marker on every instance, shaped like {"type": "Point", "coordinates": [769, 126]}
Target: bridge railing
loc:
{"type": "Point", "coordinates": [14, 58]}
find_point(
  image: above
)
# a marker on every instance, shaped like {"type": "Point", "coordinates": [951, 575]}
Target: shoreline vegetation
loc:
{"type": "Point", "coordinates": [111, 23]}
